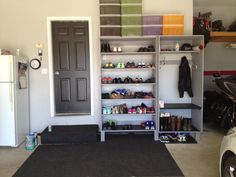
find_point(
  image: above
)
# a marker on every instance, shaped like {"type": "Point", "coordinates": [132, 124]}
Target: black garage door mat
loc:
{"type": "Point", "coordinates": [119, 156]}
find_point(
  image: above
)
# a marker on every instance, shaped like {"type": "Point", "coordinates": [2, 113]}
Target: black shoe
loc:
{"type": "Point", "coordinates": [151, 48]}
{"type": "Point", "coordinates": [189, 127]}
{"type": "Point", "coordinates": [108, 47]}
{"type": "Point", "coordinates": [103, 48]}
{"type": "Point", "coordinates": [113, 125]}
{"type": "Point", "coordinates": [115, 81]}
{"type": "Point", "coordinates": [185, 124]}
{"type": "Point", "coordinates": [119, 80]}
{"type": "Point", "coordinates": [143, 105]}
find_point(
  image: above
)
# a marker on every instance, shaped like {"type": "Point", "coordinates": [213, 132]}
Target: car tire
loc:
{"type": "Point", "coordinates": [229, 168]}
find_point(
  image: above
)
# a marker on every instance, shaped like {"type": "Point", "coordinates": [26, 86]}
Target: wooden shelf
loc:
{"type": "Point", "coordinates": [223, 36]}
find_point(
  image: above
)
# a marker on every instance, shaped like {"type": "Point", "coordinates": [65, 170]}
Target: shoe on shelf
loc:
{"type": "Point", "coordinates": [151, 48]}
{"type": "Point", "coordinates": [138, 110]}
{"type": "Point", "coordinates": [105, 96]}
{"type": "Point", "coordinates": [144, 110]}
{"type": "Point", "coordinates": [104, 111]}
{"type": "Point", "coordinates": [143, 105]}
{"type": "Point", "coordinates": [150, 80]}
{"type": "Point", "coordinates": [147, 125]}
{"type": "Point", "coordinates": [133, 110]}
{"type": "Point", "coordinates": [103, 47]}
{"type": "Point", "coordinates": [104, 80]}
{"type": "Point", "coordinates": [119, 49]}
{"type": "Point", "coordinates": [141, 49]}
{"type": "Point", "coordinates": [107, 47]}
{"type": "Point", "coordinates": [119, 80]}
{"type": "Point", "coordinates": [185, 124]}
{"type": "Point", "coordinates": [122, 65]}
{"type": "Point", "coordinates": [118, 65]}
{"type": "Point", "coordinates": [111, 65]}
{"type": "Point", "coordinates": [108, 110]}
{"type": "Point", "coordinates": [130, 111]}
{"type": "Point", "coordinates": [115, 81]}
{"type": "Point", "coordinates": [152, 125]}
{"type": "Point", "coordinates": [114, 49]}
{"type": "Point", "coordinates": [173, 123]}
{"type": "Point", "coordinates": [189, 127]}
{"type": "Point", "coordinates": [109, 80]}
{"type": "Point", "coordinates": [179, 123]}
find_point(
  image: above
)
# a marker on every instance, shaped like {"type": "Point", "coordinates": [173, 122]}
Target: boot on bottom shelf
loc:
{"type": "Point", "coordinates": [161, 123]}
{"type": "Point", "coordinates": [179, 123]}
{"type": "Point", "coordinates": [189, 124]}
{"type": "Point", "coordinates": [173, 123]}
{"type": "Point", "coordinates": [167, 119]}
{"type": "Point", "coordinates": [185, 124]}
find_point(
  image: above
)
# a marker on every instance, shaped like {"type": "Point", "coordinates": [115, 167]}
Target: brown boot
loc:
{"type": "Point", "coordinates": [179, 122]}
{"type": "Point", "coordinates": [173, 123]}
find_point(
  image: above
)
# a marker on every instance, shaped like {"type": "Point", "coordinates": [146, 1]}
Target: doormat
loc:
{"type": "Point", "coordinates": [119, 156]}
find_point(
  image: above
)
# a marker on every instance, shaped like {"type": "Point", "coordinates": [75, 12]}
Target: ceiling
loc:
{"type": "Point", "coordinates": [214, 2]}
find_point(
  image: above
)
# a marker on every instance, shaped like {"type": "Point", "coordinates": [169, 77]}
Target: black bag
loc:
{"type": "Point", "coordinates": [201, 27]}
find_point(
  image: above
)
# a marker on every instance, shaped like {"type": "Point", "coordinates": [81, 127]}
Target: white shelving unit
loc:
{"type": "Point", "coordinates": [186, 107]}
{"type": "Point", "coordinates": [165, 61]}
{"type": "Point", "coordinates": [130, 46]}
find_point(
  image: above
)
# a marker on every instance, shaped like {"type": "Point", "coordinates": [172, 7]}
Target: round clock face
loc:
{"type": "Point", "coordinates": [35, 63]}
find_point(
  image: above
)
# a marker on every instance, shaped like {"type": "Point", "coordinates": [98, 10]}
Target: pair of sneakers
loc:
{"type": "Point", "coordinates": [116, 49]}
{"type": "Point", "coordinates": [107, 80]}
{"type": "Point", "coordinates": [109, 65]}
{"type": "Point", "coordinates": [110, 125]}
{"type": "Point", "coordinates": [120, 65]}
{"type": "Point", "coordinates": [149, 125]}
{"type": "Point", "coordinates": [106, 110]}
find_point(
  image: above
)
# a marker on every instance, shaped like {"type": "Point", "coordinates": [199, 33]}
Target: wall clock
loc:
{"type": "Point", "coordinates": [35, 63]}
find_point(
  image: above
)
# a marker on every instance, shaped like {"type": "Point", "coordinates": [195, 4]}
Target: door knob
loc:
{"type": "Point", "coordinates": [57, 73]}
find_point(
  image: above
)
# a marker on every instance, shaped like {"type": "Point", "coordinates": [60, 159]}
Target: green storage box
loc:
{"type": "Point", "coordinates": [130, 1]}
{"type": "Point", "coordinates": [131, 20]}
{"type": "Point", "coordinates": [131, 9]}
{"type": "Point", "coordinates": [131, 31]}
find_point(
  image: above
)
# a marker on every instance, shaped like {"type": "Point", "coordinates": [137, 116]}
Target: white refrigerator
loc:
{"type": "Point", "coordinates": [14, 100]}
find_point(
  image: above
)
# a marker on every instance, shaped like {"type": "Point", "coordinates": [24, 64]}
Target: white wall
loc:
{"type": "Point", "coordinates": [24, 23]}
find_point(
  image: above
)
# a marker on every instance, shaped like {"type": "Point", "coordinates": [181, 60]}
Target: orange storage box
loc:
{"type": "Point", "coordinates": [171, 19]}
{"type": "Point", "coordinates": [173, 24]}
{"type": "Point", "coordinates": [173, 30]}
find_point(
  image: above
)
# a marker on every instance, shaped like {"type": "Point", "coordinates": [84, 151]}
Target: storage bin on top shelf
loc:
{"type": "Point", "coordinates": [110, 20]}
{"type": "Point", "coordinates": [152, 24]}
{"type": "Point", "coordinates": [131, 17]}
{"type": "Point", "coordinates": [173, 24]}
{"type": "Point", "coordinates": [109, 1]}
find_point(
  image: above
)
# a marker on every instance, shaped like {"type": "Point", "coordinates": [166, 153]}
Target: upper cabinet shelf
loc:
{"type": "Point", "coordinates": [223, 36]}
{"type": "Point", "coordinates": [128, 53]}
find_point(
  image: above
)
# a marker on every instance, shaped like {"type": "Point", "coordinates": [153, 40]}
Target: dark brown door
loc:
{"type": "Point", "coordinates": [71, 67]}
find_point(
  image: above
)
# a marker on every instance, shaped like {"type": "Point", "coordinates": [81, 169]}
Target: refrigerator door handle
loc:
{"type": "Point", "coordinates": [11, 97]}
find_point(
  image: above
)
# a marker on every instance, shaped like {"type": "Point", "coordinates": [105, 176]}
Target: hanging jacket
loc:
{"type": "Point", "coordinates": [185, 83]}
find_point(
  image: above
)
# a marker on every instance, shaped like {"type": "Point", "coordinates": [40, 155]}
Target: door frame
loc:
{"type": "Point", "coordinates": [50, 60]}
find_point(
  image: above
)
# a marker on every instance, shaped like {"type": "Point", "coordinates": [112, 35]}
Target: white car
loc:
{"type": "Point", "coordinates": [228, 154]}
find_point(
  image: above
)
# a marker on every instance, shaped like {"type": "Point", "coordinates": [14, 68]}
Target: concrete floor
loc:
{"type": "Point", "coordinates": [195, 160]}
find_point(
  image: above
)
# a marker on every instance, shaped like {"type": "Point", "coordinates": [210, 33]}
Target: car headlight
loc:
{"type": "Point", "coordinates": [230, 132]}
